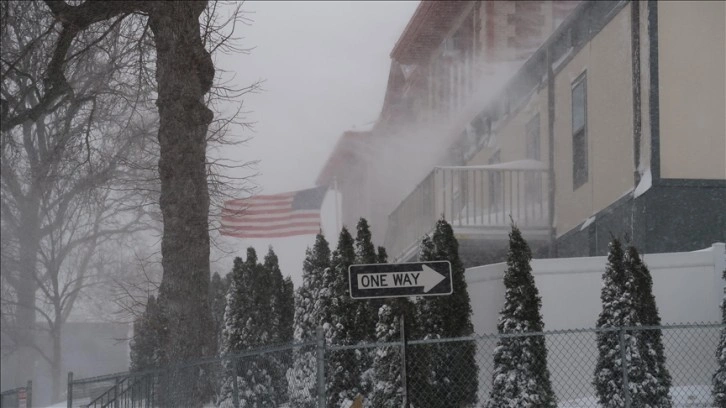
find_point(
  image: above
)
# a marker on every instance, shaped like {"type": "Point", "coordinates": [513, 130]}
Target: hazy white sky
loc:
{"type": "Point", "coordinates": [325, 66]}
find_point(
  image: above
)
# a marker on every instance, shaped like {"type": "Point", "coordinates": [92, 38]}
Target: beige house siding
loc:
{"type": "Point", "coordinates": [607, 63]}
{"type": "Point", "coordinates": [692, 68]}
{"type": "Point", "coordinates": [509, 139]}
{"type": "Point", "coordinates": [571, 207]}
{"type": "Point", "coordinates": [509, 134]}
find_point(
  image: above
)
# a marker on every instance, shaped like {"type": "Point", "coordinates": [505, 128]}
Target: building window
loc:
{"type": "Point", "coordinates": [579, 132]}
{"type": "Point", "coordinates": [533, 140]}
{"type": "Point", "coordinates": [533, 179]}
{"type": "Point", "coordinates": [495, 184]}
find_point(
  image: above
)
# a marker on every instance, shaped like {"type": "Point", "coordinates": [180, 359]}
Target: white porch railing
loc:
{"type": "Point", "coordinates": [475, 198]}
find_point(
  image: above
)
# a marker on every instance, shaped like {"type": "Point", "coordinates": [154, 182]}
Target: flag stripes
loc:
{"type": "Point", "coordinates": [274, 216]}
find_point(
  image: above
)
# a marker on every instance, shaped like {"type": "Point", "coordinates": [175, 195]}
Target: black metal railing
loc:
{"type": "Point", "coordinates": [17, 397]}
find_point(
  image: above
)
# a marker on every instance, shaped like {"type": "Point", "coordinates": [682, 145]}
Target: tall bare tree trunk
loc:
{"type": "Point", "coordinates": [184, 74]}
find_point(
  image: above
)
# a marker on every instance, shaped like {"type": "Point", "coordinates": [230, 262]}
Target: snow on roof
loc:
{"type": "Point", "coordinates": [646, 182]}
{"type": "Point", "coordinates": [587, 222]}
{"type": "Point", "coordinates": [527, 164]}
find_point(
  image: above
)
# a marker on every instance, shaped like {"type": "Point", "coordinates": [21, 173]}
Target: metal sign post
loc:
{"type": "Point", "coordinates": [375, 281]}
{"type": "Point", "coordinates": [404, 376]}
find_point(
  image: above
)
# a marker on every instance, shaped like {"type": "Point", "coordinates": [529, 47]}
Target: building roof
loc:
{"type": "Point", "coordinates": [427, 28]}
{"type": "Point", "coordinates": [350, 149]}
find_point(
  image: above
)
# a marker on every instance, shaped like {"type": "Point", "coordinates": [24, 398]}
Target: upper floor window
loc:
{"type": "Point", "coordinates": [496, 187]}
{"type": "Point", "coordinates": [533, 179]}
{"type": "Point", "coordinates": [532, 138]}
{"type": "Point", "coordinates": [579, 132]}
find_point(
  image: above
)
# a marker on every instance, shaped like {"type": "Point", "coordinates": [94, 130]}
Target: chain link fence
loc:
{"type": "Point", "coordinates": [265, 377]}
{"type": "Point", "coordinates": [438, 373]}
{"type": "Point", "coordinates": [17, 397]}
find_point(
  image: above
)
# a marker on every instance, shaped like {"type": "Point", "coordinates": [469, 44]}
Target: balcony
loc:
{"type": "Point", "coordinates": [479, 202]}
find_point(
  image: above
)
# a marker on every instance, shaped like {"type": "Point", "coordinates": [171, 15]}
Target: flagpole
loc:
{"type": "Point", "coordinates": [337, 215]}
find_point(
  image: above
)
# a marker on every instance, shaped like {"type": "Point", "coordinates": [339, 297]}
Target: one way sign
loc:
{"type": "Point", "coordinates": [397, 280]}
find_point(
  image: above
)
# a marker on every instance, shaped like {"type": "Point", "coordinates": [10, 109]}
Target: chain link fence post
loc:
{"type": "Point", "coordinates": [152, 392]}
{"type": "Point", "coordinates": [115, 392]}
{"type": "Point", "coordinates": [29, 394]}
{"type": "Point", "coordinates": [235, 386]}
{"type": "Point", "coordinates": [404, 375]}
{"type": "Point", "coordinates": [70, 389]}
{"type": "Point", "coordinates": [320, 357]}
{"type": "Point", "coordinates": [624, 367]}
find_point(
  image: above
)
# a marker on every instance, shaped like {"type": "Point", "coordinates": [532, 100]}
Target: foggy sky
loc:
{"type": "Point", "coordinates": [325, 66]}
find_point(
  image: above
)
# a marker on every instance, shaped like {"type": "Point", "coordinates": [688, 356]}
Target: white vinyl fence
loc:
{"type": "Point", "coordinates": [688, 288]}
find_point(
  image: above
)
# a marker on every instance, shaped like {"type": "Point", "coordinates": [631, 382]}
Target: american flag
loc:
{"type": "Point", "coordinates": [274, 216]}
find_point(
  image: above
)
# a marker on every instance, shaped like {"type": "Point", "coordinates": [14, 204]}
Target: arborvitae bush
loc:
{"type": "Point", "coordinates": [150, 330]}
{"type": "Point", "coordinates": [618, 310]}
{"type": "Point", "coordinates": [719, 377]}
{"type": "Point", "coordinates": [308, 316]}
{"type": "Point", "coordinates": [246, 326]}
{"type": "Point", "coordinates": [218, 287]}
{"type": "Point", "coordinates": [521, 377]}
{"type": "Point", "coordinates": [655, 388]}
{"type": "Point", "coordinates": [280, 303]}
{"type": "Point", "coordinates": [339, 316]}
{"type": "Point", "coordinates": [387, 390]}
{"type": "Point", "coordinates": [366, 311]}
{"type": "Point", "coordinates": [445, 375]}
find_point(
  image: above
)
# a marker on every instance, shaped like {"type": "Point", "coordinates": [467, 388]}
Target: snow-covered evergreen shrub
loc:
{"type": "Point", "coordinates": [655, 388]}
{"type": "Point", "coordinates": [521, 377]}
{"type": "Point", "coordinates": [218, 287]}
{"type": "Point", "coordinates": [247, 318]}
{"type": "Point", "coordinates": [281, 320]}
{"type": "Point", "coordinates": [149, 332]}
{"type": "Point", "coordinates": [386, 373]}
{"type": "Point", "coordinates": [382, 256]}
{"type": "Point", "coordinates": [719, 377]}
{"type": "Point", "coordinates": [446, 375]}
{"type": "Point", "coordinates": [618, 310]}
{"type": "Point", "coordinates": [343, 373]}
{"type": "Point", "coordinates": [388, 386]}
{"type": "Point", "coordinates": [308, 316]}
{"type": "Point", "coordinates": [366, 311]}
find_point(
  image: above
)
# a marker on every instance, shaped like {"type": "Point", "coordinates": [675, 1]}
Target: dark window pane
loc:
{"type": "Point", "coordinates": [533, 180]}
{"type": "Point", "coordinates": [579, 162]}
{"type": "Point", "coordinates": [578, 106]}
{"type": "Point", "coordinates": [495, 184]}
{"type": "Point", "coordinates": [579, 132]}
{"type": "Point", "coordinates": [533, 139]}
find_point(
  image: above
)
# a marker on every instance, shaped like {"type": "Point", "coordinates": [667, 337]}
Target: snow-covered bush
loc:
{"type": "Point", "coordinates": [521, 377]}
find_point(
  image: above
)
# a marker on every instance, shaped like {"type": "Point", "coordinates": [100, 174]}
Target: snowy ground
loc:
{"type": "Point", "coordinates": [690, 396]}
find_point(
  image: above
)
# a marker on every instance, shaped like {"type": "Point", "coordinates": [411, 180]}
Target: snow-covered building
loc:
{"type": "Point", "coordinates": [577, 119]}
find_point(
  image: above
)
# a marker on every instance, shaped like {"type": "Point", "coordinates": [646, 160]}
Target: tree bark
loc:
{"type": "Point", "coordinates": [184, 74]}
